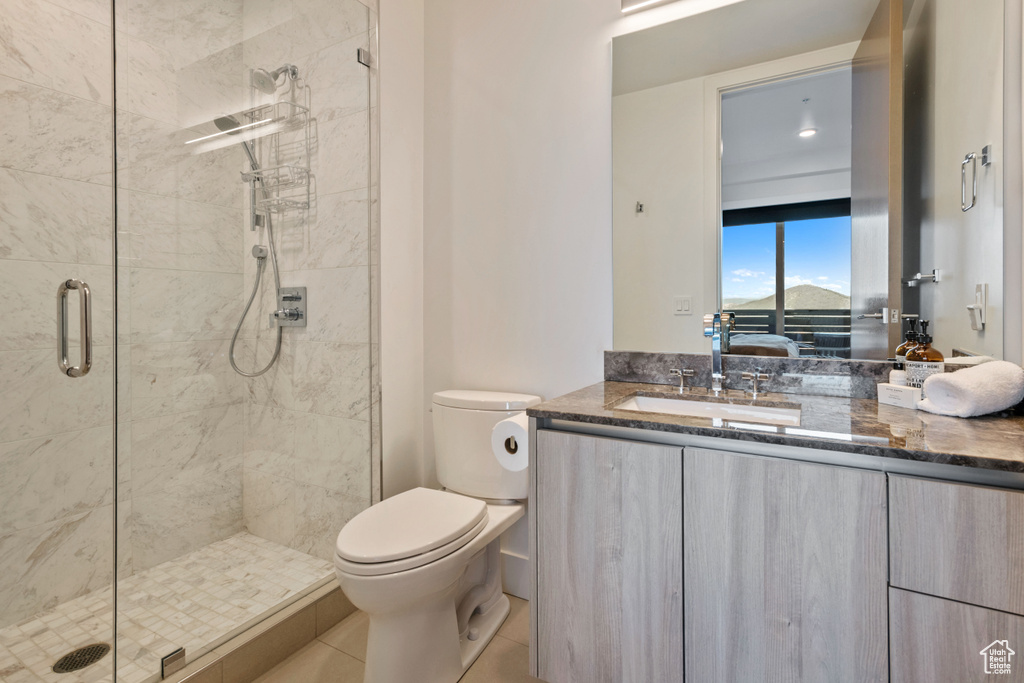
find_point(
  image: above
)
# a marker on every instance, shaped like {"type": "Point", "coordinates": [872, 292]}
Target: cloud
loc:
{"type": "Point", "coordinates": [737, 279]}
{"type": "Point", "coordinates": [743, 272]}
{"type": "Point", "coordinates": [840, 286]}
{"type": "Point", "coordinates": [794, 280]}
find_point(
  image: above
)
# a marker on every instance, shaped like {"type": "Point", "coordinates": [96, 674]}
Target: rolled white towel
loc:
{"type": "Point", "coordinates": [983, 389]}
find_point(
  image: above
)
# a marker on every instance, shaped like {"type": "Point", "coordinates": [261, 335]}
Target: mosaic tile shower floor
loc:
{"type": "Point", "coordinates": [190, 602]}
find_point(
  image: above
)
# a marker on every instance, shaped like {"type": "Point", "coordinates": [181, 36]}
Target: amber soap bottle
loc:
{"type": "Point", "coordinates": [908, 343]}
{"type": "Point", "coordinates": [922, 360]}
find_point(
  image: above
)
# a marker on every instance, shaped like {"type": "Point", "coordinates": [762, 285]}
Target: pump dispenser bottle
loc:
{"type": "Point", "coordinates": [922, 360]}
{"type": "Point", "coordinates": [908, 343]}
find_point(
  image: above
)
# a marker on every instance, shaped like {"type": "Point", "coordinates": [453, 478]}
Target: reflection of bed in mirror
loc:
{"type": "Point", "coordinates": [763, 345]}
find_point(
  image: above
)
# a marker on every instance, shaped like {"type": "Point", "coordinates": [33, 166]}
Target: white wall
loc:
{"type": "Point", "coordinates": [401, 154]}
{"type": "Point", "coordinates": [517, 247]}
{"type": "Point", "coordinates": [963, 91]}
{"type": "Point", "coordinates": [658, 149]}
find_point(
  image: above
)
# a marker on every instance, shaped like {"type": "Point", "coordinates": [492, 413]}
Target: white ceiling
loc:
{"type": "Point", "coordinates": [734, 36]}
{"type": "Point", "coordinates": [760, 141]}
{"type": "Point", "coordinates": [761, 124]}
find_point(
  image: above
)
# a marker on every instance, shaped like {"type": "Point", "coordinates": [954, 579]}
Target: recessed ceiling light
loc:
{"type": "Point", "coordinates": [808, 132]}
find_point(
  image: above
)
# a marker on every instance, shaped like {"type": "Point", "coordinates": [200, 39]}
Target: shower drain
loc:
{"type": "Point", "coordinates": [81, 658]}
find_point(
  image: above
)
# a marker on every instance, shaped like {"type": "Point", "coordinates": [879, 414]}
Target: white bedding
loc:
{"type": "Point", "coordinates": [768, 341]}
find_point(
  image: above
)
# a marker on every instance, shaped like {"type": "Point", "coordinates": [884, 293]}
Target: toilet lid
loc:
{"type": "Point", "coordinates": [409, 524]}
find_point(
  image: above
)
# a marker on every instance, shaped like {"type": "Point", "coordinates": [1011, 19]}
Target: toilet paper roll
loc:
{"type": "Point", "coordinates": [510, 441]}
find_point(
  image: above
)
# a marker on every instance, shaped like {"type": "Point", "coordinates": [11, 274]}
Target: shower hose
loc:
{"type": "Point", "coordinates": [261, 258]}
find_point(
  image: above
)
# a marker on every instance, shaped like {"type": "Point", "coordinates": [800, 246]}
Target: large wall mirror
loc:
{"type": "Point", "coordinates": [824, 170]}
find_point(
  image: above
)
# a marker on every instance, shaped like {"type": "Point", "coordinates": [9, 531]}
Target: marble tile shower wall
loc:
{"type": "Point", "coordinates": [56, 434]}
{"type": "Point", "coordinates": [308, 435]}
{"type": "Point", "coordinates": [180, 250]}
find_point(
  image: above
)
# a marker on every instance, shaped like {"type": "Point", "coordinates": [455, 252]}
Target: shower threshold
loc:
{"type": "Point", "coordinates": [196, 601]}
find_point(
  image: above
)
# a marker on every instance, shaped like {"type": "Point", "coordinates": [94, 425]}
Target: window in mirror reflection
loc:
{"type": "Point", "coordinates": [786, 278]}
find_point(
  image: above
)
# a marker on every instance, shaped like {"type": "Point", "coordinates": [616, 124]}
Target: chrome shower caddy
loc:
{"type": "Point", "coordinates": [281, 133]}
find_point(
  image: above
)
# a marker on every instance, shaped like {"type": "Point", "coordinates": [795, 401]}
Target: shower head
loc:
{"type": "Point", "coordinates": [266, 81]}
{"type": "Point", "coordinates": [230, 125]}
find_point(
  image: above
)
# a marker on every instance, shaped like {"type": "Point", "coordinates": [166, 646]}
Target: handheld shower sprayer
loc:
{"type": "Point", "coordinates": [266, 82]}
{"type": "Point", "coordinates": [230, 125]}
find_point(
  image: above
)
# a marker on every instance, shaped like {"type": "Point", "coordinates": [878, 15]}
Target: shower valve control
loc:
{"type": "Point", "coordinates": [291, 308]}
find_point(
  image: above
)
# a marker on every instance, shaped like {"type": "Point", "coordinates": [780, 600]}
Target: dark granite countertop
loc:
{"type": "Point", "coordinates": [850, 425]}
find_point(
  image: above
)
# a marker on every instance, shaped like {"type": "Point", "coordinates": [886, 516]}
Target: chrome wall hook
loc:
{"type": "Point", "coordinates": [935, 276]}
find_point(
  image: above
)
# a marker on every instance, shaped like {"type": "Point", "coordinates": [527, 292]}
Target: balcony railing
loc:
{"type": "Point", "coordinates": [820, 333]}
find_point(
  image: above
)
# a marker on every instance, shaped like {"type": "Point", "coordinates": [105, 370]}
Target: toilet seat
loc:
{"type": "Point", "coordinates": [408, 531]}
{"type": "Point", "coordinates": [395, 566]}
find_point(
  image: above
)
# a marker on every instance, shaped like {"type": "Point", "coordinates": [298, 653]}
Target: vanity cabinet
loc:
{"type": "Point", "coordinates": [609, 561]}
{"type": "Point", "coordinates": [795, 570]}
{"type": "Point", "coordinates": [785, 566]}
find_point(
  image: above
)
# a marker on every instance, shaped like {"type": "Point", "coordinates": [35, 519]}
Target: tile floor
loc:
{"type": "Point", "coordinates": [193, 601]}
{"type": "Point", "coordinates": [337, 656]}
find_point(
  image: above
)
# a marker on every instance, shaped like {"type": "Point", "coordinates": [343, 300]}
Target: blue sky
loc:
{"type": "Point", "coordinates": [817, 253]}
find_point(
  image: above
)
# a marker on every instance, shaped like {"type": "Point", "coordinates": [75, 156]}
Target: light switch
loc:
{"type": "Point", "coordinates": [682, 305]}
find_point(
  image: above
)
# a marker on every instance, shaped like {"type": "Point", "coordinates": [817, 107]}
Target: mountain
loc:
{"type": "Point", "coordinates": [802, 297]}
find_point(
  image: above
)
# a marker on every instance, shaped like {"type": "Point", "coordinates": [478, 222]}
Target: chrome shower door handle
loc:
{"type": "Point", "coordinates": [972, 159]}
{"type": "Point", "coordinates": [85, 321]}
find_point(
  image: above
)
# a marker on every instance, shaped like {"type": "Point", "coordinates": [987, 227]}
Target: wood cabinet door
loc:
{"type": "Point", "coordinates": [942, 640]}
{"type": "Point", "coordinates": [958, 541]}
{"type": "Point", "coordinates": [785, 566]}
{"type": "Point", "coordinates": [609, 560]}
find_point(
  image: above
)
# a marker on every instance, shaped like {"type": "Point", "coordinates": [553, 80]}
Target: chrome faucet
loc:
{"type": "Point", "coordinates": [716, 326]}
{"type": "Point", "coordinates": [682, 375]}
{"type": "Point", "coordinates": [758, 375]}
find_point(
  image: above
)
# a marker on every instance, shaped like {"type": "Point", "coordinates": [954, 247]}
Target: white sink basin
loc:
{"type": "Point", "coordinates": [738, 411]}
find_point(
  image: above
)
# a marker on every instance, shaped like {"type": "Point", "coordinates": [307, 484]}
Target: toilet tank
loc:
{"type": "Point", "coordinates": [463, 421]}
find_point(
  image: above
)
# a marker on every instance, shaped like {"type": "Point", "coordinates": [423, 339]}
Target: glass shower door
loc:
{"type": "Point", "coordinates": [57, 398]}
{"type": "Point", "coordinates": [244, 194]}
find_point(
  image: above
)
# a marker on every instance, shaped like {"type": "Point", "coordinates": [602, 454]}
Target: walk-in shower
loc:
{"type": "Point", "coordinates": [161, 503]}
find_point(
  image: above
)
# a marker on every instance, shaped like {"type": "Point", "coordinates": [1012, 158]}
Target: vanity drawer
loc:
{"type": "Point", "coordinates": [936, 640]}
{"type": "Point", "coordinates": [957, 541]}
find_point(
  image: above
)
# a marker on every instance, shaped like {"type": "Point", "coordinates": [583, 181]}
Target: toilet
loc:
{"type": "Point", "coordinates": [425, 565]}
